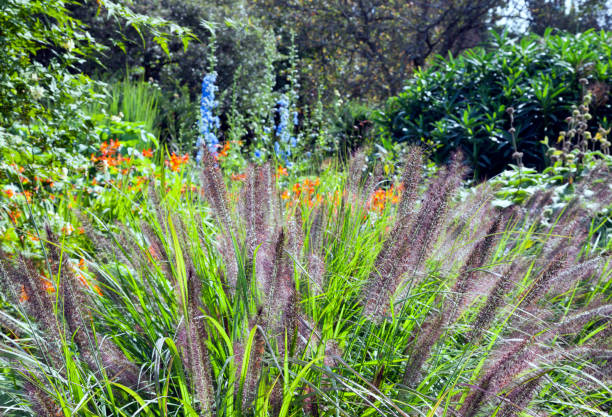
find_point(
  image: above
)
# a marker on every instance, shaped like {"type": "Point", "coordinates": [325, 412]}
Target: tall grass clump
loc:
{"type": "Point", "coordinates": [132, 101]}
{"type": "Point", "coordinates": [238, 304]}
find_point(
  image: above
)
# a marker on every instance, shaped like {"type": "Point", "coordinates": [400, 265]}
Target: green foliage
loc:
{"type": "Point", "coordinates": [39, 91]}
{"type": "Point", "coordinates": [367, 48]}
{"type": "Point", "coordinates": [132, 101]}
{"type": "Point", "coordinates": [351, 128]}
{"type": "Point", "coordinates": [581, 15]}
{"type": "Point", "coordinates": [240, 41]}
{"type": "Point", "coordinates": [461, 103]}
{"type": "Point", "coordinates": [577, 176]}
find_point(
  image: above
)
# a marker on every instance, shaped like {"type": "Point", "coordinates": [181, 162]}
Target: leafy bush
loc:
{"type": "Point", "coordinates": [461, 103]}
{"type": "Point", "coordinates": [351, 128]}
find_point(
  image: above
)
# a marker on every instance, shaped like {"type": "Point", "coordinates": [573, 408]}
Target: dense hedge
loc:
{"type": "Point", "coordinates": [461, 102]}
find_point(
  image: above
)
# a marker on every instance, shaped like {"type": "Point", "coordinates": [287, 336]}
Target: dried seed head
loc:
{"type": "Point", "coordinates": [197, 352]}
{"type": "Point", "coordinates": [316, 273]}
{"type": "Point", "coordinates": [316, 230]}
{"type": "Point", "coordinates": [419, 353]}
{"type": "Point", "coordinates": [513, 360]}
{"type": "Point", "coordinates": [541, 284]}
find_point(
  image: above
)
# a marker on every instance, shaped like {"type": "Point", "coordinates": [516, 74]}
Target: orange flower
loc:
{"type": "Point", "coordinates": [296, 189]}
{"type": "Point", "coordinates": [47, 284]}
{"type": "Point", "coordinates": [153, 252]}
{"type": "Point", "coordinates": [68, 229]}
{"type": "Point", "coordinates": [83, 280]}
{"type": "Point", "coordinates": [14, 215]}
{"type": "Point", "coordinates": [147, 153]}
{"type": "Point", "coordinates": [285, 195]}
{"type": "Point", "coordinates": [238, 177]}
{"type": "Point", "coordinates": [280, 171]}
{"type": "Point", "coordinates": [223, 152]}
{"type": "Point", "coordinates": [9, 193]}
{"type": "Point", "coordinates": [24, 295]}
{"type": "Point", "coordinates": [377, 201]}
{"type": "Point", "coordinates": [176, 161]}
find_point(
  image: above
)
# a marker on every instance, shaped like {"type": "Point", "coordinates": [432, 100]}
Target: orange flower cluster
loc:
{"type": "Point", "coordinates": [224, 151]}
{"type": "Point", "coordinates": [380, 198]}
{"type": "Point", "coordinates": [176, 161]}
{"type": "Point", "coordinates": [281, 171]}
{"type": "Point", "coordinates": [19, 170]}
{"type": "Point", "coordinates": [303, 192]}
{"type": "Point", "coordinates": [238, 177]}
{"type": "Point", "coordinates": [79, 270]}
{"type": "Point", "coordinates": [109, 156]}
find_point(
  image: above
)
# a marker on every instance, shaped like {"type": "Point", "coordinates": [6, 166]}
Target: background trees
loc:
{"type": "Point", "coordinates": [369, 47]}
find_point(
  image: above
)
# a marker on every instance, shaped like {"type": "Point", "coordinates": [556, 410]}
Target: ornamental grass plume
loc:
{"type": "Point", "coordinates": [468, 275]}
{"type": "Point", "coordinates": [495, 299]}
{"type": "Point", "coordinates": [410, 182]}
{"type": "Point", "coordinates": [519, 397]}
{"type": "Point", "coordinates": [196, 351]}
{"type": "Point", "coordinates": [215, 191]}
{"type": "Point", "coordinates": [465, 282]}
{"type": "Point", "coordinates": [41, 402]}
{"type": "Point", "coordinates": [248, 386]}
{"type": "Point", "coordinates": [332, 309]}
{"type": "Point", "coordinates": [73, 322]}
{"type": "Point", "coordinates": [410, 242]}
{"type": "Point", "coordinates": [514, 359]}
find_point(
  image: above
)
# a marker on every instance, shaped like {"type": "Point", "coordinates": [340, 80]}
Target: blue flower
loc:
{"type": "Point", "coordinates": [295, 118]}
{"type": "Point", "coordinates": [283, 111]}
{"type": "Point", "coordinates": [208, 121]}
{"type": "Point", "coordinates": [258, 154]}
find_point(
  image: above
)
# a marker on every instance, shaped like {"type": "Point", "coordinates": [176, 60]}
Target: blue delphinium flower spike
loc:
{"type": "Point", "coordinates": [208, 121]}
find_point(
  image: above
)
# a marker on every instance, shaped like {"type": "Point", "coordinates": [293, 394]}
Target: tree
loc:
{"type": "Point", "coordinates": [577, 16]}
{"type": "Point", "coordinates": [369, 47]}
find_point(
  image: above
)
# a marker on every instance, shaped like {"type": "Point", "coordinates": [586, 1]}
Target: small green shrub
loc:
{"type": "Point", "coordinates": [461, 102]}
{"type": "Point", "coordinates": [351, 128]}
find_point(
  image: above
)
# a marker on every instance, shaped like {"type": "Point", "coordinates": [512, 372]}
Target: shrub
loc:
{"type": "Point", "coordinates": [461, 103]}
{"type": "Point", "coordinates": [351, 128]}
